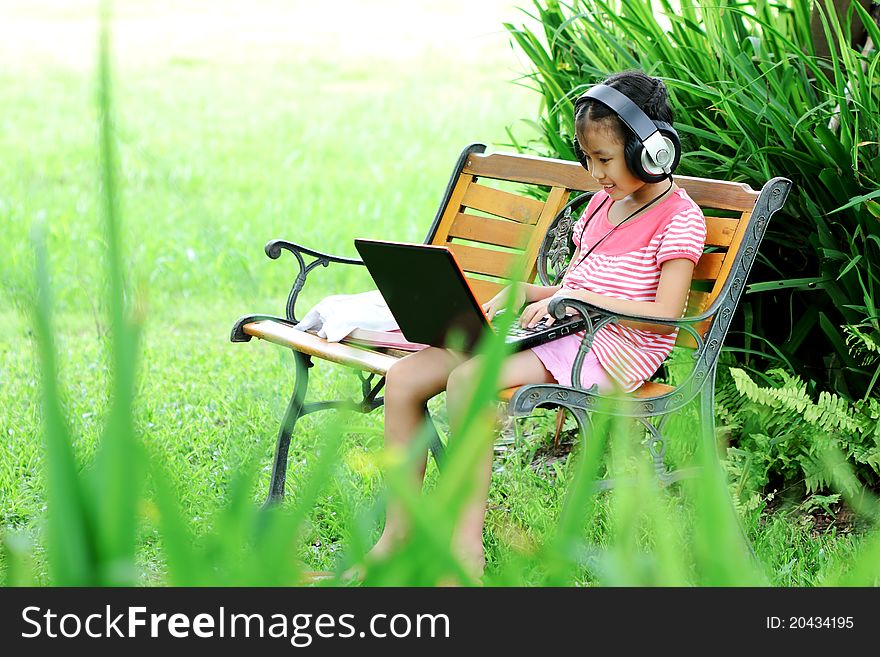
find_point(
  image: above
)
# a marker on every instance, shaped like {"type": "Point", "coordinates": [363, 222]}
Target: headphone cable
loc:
{"type": "Point", "coordinates": [601, 205]}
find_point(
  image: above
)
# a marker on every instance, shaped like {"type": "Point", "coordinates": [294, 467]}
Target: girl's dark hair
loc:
{"type": "Point", "coordinates": [648, 93]}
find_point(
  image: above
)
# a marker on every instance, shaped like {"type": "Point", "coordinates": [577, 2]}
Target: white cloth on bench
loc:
{"type": "Point", "coordinates": [334, 317]}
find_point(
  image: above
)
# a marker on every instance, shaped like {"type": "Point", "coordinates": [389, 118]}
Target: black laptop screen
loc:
{"type": "Point", "coordinates": [426, 292]}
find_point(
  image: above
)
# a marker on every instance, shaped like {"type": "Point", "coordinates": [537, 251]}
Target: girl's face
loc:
{"type": "Point", "coordinates": [604, 150]}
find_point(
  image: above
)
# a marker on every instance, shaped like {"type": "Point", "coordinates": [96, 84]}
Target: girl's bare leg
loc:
{"type": "Point", "coordinates": [409, 384]}
{"type": "Point", "coordinates": [519, 369]}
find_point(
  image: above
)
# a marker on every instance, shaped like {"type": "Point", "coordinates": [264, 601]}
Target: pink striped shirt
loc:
{"type": "Point", "coordinates": [626, 265]}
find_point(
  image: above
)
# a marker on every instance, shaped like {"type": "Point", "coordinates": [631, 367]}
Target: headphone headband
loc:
{"type": "Point", "coordinates": [645, 129]}
{"type": "Point", "coordinates": [628, 112]}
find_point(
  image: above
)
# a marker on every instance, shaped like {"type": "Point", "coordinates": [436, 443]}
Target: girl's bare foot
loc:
{"type": "Point", "coordinates": [473, 561]}
{"type": "Point", "coordinates": [386, 544]}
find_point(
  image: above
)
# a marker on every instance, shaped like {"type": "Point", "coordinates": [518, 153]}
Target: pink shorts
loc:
{"type": "Point", "coordinates": [558, 356]}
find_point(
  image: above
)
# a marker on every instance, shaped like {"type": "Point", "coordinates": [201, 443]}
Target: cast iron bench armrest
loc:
{"type": "Point", "coordinates": [589, 310]}
{"type": "Point", "coordinates": [596, 317]}
{"type": "Point", "coordinates": [273, 250]}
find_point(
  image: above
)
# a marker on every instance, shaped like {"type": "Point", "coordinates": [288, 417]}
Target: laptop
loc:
{"type": "Point", "coordinates": [432, 302]}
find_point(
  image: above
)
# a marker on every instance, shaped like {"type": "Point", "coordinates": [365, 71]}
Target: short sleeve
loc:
{"type": "Point", "coordinates": [578, 229]}
{"type": "Point", "coordinates": [684, 237]}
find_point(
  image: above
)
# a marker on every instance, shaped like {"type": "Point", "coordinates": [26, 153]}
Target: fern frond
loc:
{"type": "Point", "coordinates": [830, 413]}
{"type": "Point", "coordinates": [861, 344]}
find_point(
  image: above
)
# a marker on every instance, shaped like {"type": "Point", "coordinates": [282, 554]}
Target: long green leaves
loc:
{"type": "Point", "coordinates": [92, 518]}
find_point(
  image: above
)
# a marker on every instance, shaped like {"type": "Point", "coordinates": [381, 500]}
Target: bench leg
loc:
{"type": "Point", "coordinates": [707, 407]}
{"type": "Point", "coordinates": [293, 413]}
{"type": "Point", "coordinates": [657, 448]}
{"type": "Point", "coordinates": [707, 419]}
{"type": "Point", "coordinates": [297, 407]}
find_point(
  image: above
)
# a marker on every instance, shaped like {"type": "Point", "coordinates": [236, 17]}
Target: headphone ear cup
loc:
{"type": "Point", "coordinates": [640, 163]}
{"type": "Point", "coordinates": [579, 154]}
{"type": "Point", "coordinates": [634, 154]}
{"type": "Point", "coordinates": [672, 135]}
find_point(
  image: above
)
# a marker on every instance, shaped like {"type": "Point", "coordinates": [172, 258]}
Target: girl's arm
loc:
{"type": "Point", "coordinates": [526, 293]}
{"type": "Point", "coordinates": [529, 293]}
{"type": "Point", "coordinates": [675, 281]}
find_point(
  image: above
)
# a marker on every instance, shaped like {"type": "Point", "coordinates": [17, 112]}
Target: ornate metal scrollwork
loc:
{"type": "Point", "coordinates": [300, 282]}
{"type": "Point", "coordinates": [559, 252]}
{"type": "Point", "coordinates": [557, 247]}
{"type": "Point", "coordinates": [273, 250]}
{"type": "Point", "coordinates": [657, 447]}
{"type": "Point", "coordinates": [758, 231]}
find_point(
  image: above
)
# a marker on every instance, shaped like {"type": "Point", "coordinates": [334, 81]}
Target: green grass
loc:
{"type": "Point", "coordinates": [205, 408]}
{"type": "Point", "coordinates": [218, 154]}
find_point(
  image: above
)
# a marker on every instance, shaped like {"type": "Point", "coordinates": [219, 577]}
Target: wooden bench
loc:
{"type": "Point", "coordinates": [490, 215]}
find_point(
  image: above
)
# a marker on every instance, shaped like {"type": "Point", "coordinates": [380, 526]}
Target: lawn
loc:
{"type": "Point", "coordinates": [234, 127]}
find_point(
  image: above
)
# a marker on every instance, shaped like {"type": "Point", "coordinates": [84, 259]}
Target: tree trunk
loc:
{"type": "Point", "coordinates": [857, 35]}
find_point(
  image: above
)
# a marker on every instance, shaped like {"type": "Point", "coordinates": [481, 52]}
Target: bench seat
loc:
{"type": "Point", "coordinates": [365, 359]}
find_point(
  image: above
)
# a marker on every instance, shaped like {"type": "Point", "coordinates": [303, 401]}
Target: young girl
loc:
{"type": "Point", "coordinates": [637, 244]}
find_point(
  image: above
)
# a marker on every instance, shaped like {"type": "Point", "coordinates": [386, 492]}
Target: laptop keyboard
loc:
{"type": "Point", "coordinates": [518, 331]}
{"type": "Point", "coordinates": [525, 337]}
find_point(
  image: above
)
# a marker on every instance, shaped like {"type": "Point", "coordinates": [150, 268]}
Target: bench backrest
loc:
{"type": "Point", "coordinates": [489, 228]}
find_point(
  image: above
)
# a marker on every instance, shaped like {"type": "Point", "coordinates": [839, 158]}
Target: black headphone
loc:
{"type": "Point", "coordinates": [652, 149]}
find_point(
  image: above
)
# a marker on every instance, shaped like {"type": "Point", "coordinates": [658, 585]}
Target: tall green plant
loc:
{"type": "Point", "coordinates": [92, 516]}
{"type": "Point", "coordinates": [785, 434]}
{"type": "Point", "coordinates": [752, 101]}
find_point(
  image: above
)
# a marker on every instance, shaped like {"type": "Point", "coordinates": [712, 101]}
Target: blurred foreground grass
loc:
{"type": "Point", "coordinates": [224, 144]}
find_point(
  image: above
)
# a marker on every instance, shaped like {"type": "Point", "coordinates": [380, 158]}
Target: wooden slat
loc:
{"type": "Point", "coordinates": [733, 251]}
{"type": "Point", "coordinates": [490, 231]}
{"type": "Point", "coordinates": [708, 267]}
{"type": "Point", "coordinates": [719, 194]}
{"type": "Point", "coordinates": [484, 261]}
{"type": "Point", "coordinates": [556, 200]}
{"type": "Point", "coordinates": [502, 204]}
{"type": "Point", "coordinates": [452, 209]}
{"type": "Point", "coordinates": [308, 343]}
{"type": "Point", "coordinates": [507, 393]}
{"type": "Point", "coordinates": [705, 192]}
{"type": "Point", "coordinates": [484, 290]}
{"type": "Point", "coordinates": [651, 389]}
{"type": "Point", "coordinates": [720, 230]}
{"type": "Point", "coordinates": [531, 169]}
{"type": "Point", "coordinates": [698, 301]}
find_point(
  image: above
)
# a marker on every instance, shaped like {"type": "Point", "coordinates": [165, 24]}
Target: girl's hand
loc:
{"type": "Point", "coordinates": [499, 301]}
{"type": "Point", "coordinates": [534, 312]}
